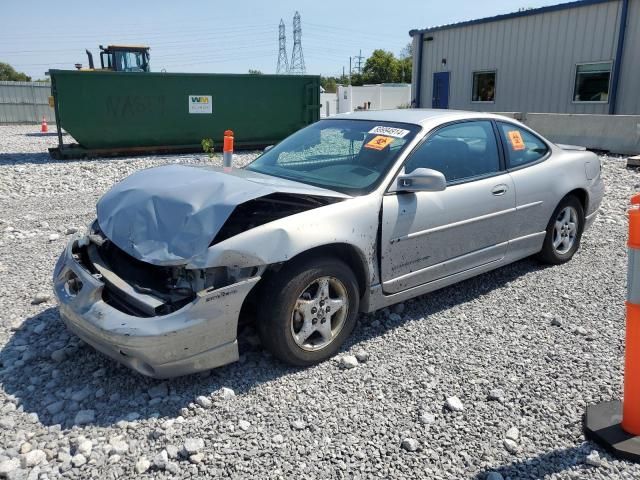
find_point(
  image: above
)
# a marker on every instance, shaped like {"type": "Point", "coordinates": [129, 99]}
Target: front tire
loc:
{"type": "Point", "coordinates": [307, 310]}
{"type": "Point", "coordinates": [564, 232]}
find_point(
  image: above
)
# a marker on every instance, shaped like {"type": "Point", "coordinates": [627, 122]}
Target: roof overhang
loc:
{"type": "Point", "coordinates": [507, 16]}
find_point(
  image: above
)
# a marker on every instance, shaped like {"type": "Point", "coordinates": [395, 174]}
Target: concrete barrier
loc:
{"type": "Point", "coordinates": [514, 115]}
{"type": "Point", "coordinates": [614, 133]}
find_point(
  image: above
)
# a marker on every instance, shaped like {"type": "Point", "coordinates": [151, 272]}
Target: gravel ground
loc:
{"type": "Point", "coordinates": [485, 379]}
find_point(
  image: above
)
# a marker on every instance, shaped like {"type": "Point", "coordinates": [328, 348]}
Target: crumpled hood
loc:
{"type": "Point", "coordinates": [167, 215]}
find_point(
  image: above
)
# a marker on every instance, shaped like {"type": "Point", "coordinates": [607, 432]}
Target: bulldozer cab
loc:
{"type": "Point", "coordinates": [124, 58]}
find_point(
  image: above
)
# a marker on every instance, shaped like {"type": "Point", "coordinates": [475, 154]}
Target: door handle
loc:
{"type": "Point", "coordinates": [499, 190]}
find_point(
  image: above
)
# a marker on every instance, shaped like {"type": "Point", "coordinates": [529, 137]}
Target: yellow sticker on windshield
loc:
{"type": "Point", "coordinates": [379, 142]}
{"type": "Point", "coordinates": [516, 140]}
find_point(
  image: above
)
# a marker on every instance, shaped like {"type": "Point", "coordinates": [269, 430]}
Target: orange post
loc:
{"type": "Point", "coordinates": [228, 141]}
{"type": "Point", "coordinates": [631, 400]}
{"type": "Point", "coordinates": [227, 150]}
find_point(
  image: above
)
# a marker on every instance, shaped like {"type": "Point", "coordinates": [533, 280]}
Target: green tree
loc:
{"type": "Point", "coordinates": [330, 84]}
{"type": "Point", "coordinates": [407, 51]}
{"type": "Point", "coordinates": [404, 70]}
{"type": "Point", "coordinates": [7, 72]}
{"type": "Point", "coordinates": [358, 79]}
{"type": "Point", "coordinates": [254, 72]}
{"type": "Point", "coordinates": [405, 63]}
{"type": "Point", "coordinates": [381, 67]}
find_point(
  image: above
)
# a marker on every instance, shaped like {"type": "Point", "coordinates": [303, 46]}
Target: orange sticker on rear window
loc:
{"type": "Point", "coordinates": [516, 140]}
{"type": "Point", "coordinates": [379, 142]}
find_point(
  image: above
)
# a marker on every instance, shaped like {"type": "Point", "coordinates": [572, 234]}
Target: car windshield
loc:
{"type": "Point", "coordinates": [349, 156]}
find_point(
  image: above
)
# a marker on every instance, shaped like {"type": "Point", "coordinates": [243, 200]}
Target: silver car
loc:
{"type": "Point", "coordinates": [348, 215]}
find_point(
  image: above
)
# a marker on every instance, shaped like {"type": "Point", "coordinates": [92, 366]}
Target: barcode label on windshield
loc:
{"type": "Point", "coordinates": [389, 131]}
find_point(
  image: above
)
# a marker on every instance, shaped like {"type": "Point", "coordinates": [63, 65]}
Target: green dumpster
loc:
{"type": "Point", "coordinates": [123, 113]}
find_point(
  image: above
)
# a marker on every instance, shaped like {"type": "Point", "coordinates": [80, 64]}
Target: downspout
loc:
{"type": "Point", "coordinates": [419, 71]}
{"type": "Point", "coordinates": [617, 67]}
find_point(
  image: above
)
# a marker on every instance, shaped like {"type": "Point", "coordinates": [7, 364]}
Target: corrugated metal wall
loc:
{"type": "Point", "coordinates": [629, 89]}
{"type": "Point", "coordinates": [535, 59]}
{"type": "Point", "coordinates": [25, 102]}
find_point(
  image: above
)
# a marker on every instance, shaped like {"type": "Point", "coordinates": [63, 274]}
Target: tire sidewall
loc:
{"type": "Point", "coordinates": [282, 294]}
{"type": "Point", "coordinates": [548, 250]}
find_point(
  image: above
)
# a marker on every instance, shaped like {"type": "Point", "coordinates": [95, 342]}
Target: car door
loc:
{"type": "Point", "coordinates": [525, 155]}
{"type": "Point", "coordinates": [430, 235]}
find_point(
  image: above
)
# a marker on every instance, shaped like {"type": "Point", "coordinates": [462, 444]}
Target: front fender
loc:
{"type": "Point", "coordinates": [354, 222]}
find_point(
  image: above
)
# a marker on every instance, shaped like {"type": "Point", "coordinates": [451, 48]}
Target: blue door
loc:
{"type": "Point", "coordinates": [440, 90]}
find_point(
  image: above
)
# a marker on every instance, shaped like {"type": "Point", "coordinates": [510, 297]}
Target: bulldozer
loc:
{"type": "Point", "coordinates": [121, 58]}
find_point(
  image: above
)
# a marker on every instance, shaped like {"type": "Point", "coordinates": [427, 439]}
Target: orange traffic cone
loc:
{"type": "Point", "coordinates": [44, 128]}
{"type": "Point", "coordinates": [615, 425]}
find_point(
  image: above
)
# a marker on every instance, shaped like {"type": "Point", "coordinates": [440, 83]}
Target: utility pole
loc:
{"type": "Point", "coordinates": [349, 70]}
{"type": "Point", "coordinates": [360, 59]}
{"type": "Point", "coordinates": [283, 62]}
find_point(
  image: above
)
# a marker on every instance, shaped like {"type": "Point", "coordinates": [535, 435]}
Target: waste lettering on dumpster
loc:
{"type": "Point", "coordinates": [516, 140]}
{"type": "Point", "coordinates": [379, 142]}
{"type": "Point", "coordinates": [200, 104]}
{"type": "Point", "coordinates": [131, 106]}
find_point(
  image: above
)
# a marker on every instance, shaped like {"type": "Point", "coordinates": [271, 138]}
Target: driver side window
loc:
{"type": "Point", "coordinates": [460, 151]}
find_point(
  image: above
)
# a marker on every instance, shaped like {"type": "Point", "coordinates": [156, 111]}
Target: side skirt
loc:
{"type": "Point", "coordinates": [518, 249]}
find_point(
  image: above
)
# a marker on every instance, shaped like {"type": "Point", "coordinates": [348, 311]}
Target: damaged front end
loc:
{"type": "Point", "coordinates": [146, 290]}
{"type": "Point", "coordinates": [146, 285]}
{"type": "Point", "coordinates": [162, 321]}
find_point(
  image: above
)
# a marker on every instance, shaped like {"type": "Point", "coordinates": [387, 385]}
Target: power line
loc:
{"type": "Point", "coordinates": [297, 58]}
{"type": "Point", "coordinates": [113, 33]}
{"type": "Point", "coordinates": [283, 63]}
{"type": "Point", "coordinates": [205, 62]}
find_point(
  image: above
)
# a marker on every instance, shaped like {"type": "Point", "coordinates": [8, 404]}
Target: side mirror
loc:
{"type": "Point", "coordinates": [267, 148]}
{"type": "Point", "coordinates": [421, 180]}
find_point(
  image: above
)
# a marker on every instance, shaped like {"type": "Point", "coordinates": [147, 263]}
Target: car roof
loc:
{"type": "Point", "coordinates": [418, 116]}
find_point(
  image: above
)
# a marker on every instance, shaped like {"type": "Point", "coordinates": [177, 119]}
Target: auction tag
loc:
{"type": "Point", "coordinates": [516, 140]}
{"type": "Point", "coordinates": [379, 142]}
{"type": "Point", "coordinates": [389, 131]}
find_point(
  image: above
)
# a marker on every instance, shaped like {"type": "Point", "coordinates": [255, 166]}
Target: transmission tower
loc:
{"type": "Point", "coordinates": [297, 58]}
{"type": "Point", "coordinates": [283, 62]}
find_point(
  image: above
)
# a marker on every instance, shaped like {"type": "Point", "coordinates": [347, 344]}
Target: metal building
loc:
{"type": "Point", "coordinates": [578, 57]}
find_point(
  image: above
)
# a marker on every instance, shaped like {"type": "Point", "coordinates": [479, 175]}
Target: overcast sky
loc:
{"type": "Point", "coordinates": [229, 36]}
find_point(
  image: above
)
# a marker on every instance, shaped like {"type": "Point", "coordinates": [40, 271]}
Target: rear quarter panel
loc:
{"type": "Point", "coordinates": [540, 187]}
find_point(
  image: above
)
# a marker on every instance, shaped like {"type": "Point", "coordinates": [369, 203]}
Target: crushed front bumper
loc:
{"type": "Point", "coordinates": [199, 336]}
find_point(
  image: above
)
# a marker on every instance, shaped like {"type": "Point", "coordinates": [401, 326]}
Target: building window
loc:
{"type": "Point", "coordinates": [592, 82]}
{"type": "Point", "coordinates": [484, 87]}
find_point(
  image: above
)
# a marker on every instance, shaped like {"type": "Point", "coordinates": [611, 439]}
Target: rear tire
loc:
{"type": "Point", "coordinates": [307, 310]}
{"type": "Point", "coordinates": [564, 232]}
